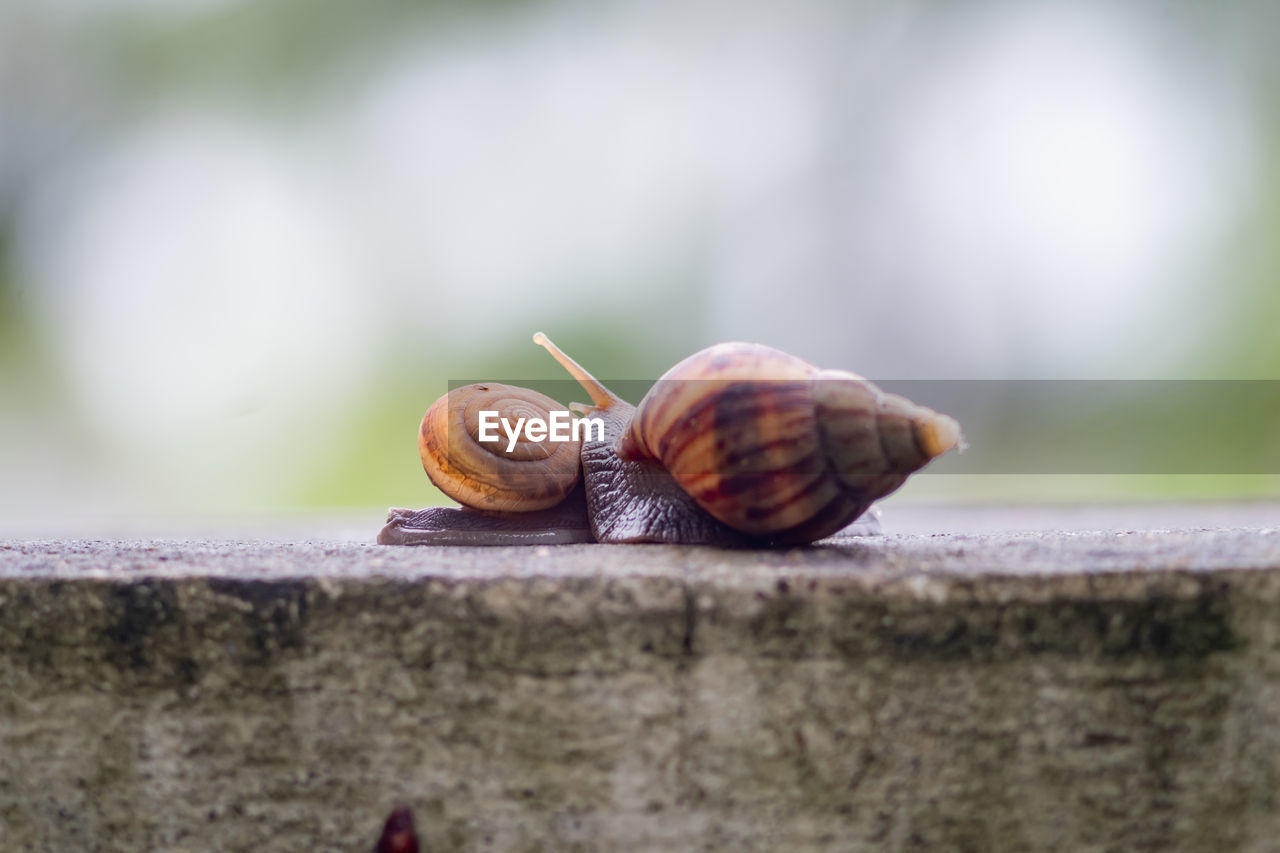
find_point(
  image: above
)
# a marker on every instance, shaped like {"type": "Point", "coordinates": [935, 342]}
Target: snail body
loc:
{"type": "Point", "coordinates": [737, 445]}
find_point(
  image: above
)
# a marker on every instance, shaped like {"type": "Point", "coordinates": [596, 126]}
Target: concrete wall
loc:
{"type": "Point", "coordinates": [985, 693]}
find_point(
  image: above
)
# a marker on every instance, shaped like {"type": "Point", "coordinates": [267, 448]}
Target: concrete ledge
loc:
{"type": "Point", "coordinates": [998, 691]}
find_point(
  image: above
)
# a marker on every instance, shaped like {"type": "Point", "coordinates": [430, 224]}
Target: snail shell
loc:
{"type": "Point", "coordinates": [483, 475]}
{"type": "Point", "coordinates": [776, 448]}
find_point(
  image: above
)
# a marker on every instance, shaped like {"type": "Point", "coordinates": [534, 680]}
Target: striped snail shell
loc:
{"type": "Point", "coordinates": [776, 448]}
{"type": "Point", "coordinates": [483, 475]}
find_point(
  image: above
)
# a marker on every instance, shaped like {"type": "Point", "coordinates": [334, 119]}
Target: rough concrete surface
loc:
{"type": "Point", "coordinates": [1082, 689]}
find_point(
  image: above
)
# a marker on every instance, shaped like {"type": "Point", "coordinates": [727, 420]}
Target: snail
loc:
{"type": "Point", "coordinates": [738, 445]}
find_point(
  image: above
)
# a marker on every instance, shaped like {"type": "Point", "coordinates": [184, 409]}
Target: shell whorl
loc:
{"type": "Point", "coordinates": [483, 475]}
{"type": "Point", "coordinates": [776, 448]}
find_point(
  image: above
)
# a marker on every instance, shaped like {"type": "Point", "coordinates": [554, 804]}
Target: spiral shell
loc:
{"type": "Point", "coordinates": [483, 475]}
{"type": "Point", "coordinates": [776, 448]}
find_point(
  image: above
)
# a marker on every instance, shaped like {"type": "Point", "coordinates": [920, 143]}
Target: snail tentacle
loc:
{"type": "Point", "coordinates": [601, 396]}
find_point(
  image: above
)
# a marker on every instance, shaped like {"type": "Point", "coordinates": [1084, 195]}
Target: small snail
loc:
{"type": "Point", "coordinates": [737, 445]}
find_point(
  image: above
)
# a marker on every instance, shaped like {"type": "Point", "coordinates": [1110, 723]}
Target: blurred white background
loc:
{"type": "Point", "coordinates": [244, 245]}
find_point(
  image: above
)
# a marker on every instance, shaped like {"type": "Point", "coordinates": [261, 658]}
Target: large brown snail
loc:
{"type": "Point", "coordinates": [737, 445]}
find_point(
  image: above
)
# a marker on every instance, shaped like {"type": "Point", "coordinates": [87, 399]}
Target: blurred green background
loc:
{"type": "Point", "coordinates": [243, 245]}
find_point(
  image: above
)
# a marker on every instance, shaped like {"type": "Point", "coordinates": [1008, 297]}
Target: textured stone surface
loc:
{"type": "Point", "coordinates": [1079, 689]}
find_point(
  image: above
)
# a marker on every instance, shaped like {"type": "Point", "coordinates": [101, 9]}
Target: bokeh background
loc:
{"type": "Point", "coordinates": [244, 244]}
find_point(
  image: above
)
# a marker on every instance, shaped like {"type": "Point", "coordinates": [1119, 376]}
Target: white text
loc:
{"type": "Point", "coordinates": [562, 426]}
